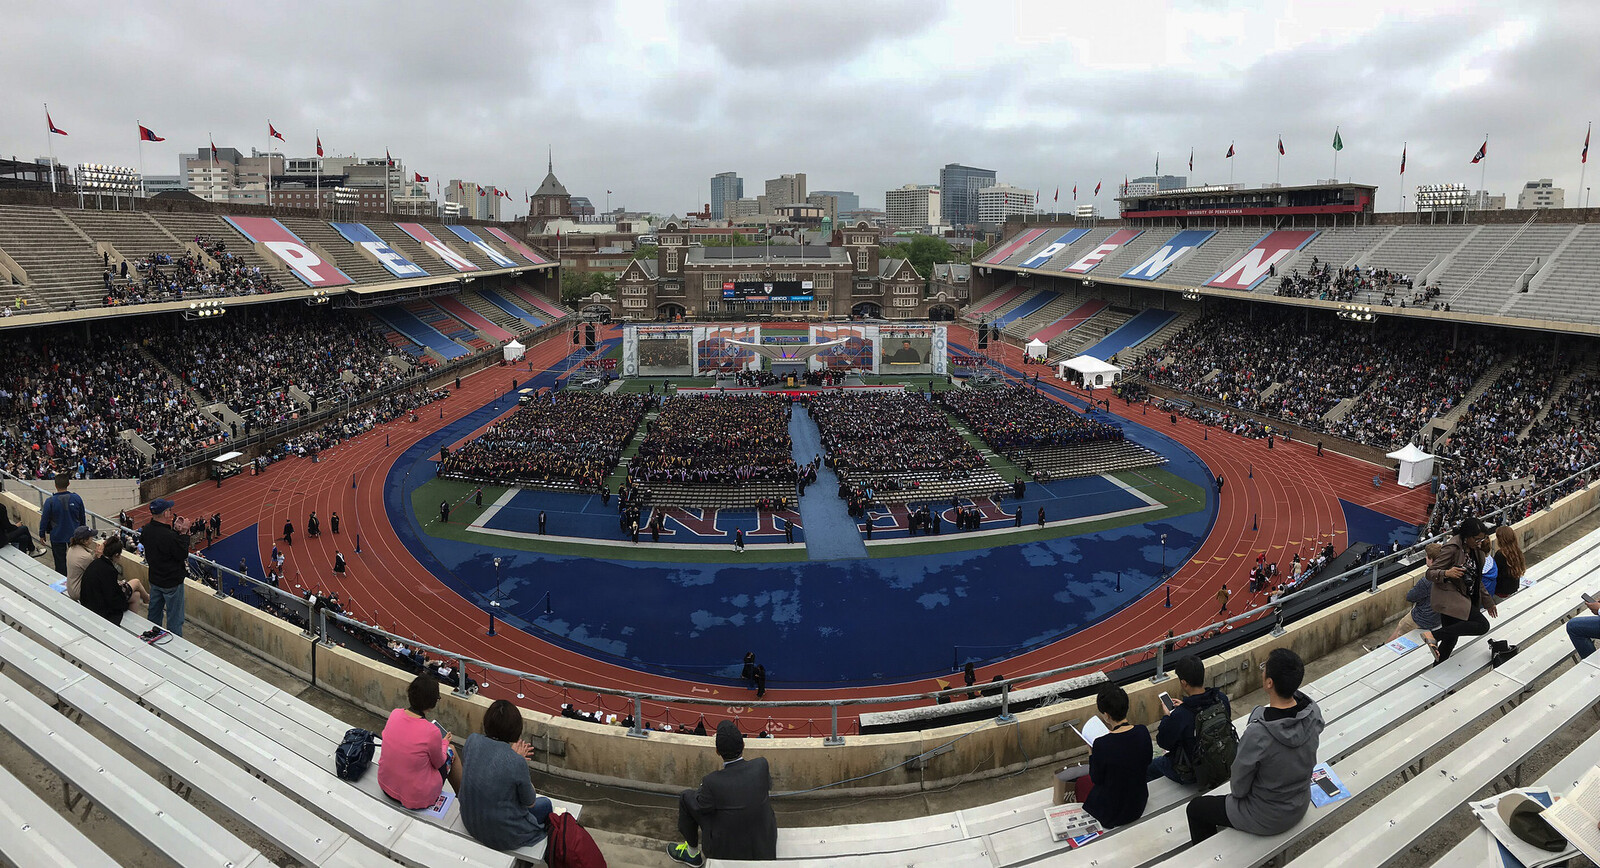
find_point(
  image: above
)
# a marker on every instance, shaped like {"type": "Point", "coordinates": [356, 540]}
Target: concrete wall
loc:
{"type": "Point", "coordinates": [104, 496]}
{"type": "Point", "coordinates": [666, 761]}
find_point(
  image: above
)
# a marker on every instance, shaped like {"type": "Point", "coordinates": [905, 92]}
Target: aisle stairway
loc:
{"type": "Point", "coordinates": [831, 533]}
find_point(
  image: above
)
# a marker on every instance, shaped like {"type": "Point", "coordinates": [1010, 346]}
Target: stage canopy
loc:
{"type": "Point", "coordinates": [1090, 372]}
{"type": "Point", "coordinates": [1036, 349]}
{"type": "Point", "coordinates": [1416, 466]}
{"type": "Point", "coordinates": [513, 350]}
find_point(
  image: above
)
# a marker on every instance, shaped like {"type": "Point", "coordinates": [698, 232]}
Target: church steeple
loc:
{"type": "Point", "coordinates": [550, 161]}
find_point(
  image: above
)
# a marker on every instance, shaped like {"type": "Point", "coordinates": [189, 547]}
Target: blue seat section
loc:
{"type": "Point", "coordinates": [420, 332]}
{"type": "Point", "coordinates": [1032, 305]}
{"type": "Point", "coordinates": [1133, 331]}
{"type": "Point", "coordinates": [495, 299]}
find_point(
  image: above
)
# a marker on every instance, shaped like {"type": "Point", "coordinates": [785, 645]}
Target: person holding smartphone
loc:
{"type": "Point", "coordinates": [1584, 631]}
{"type": "Point", "coordinates": [1177, 734]}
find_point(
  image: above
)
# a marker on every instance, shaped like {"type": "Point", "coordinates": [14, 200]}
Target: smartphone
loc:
{"type": "Point", "coordinates": [1327, 786]}
{"type": "Point", "coordinates": [1167, 703]}
{"type": "Point", "coordinates": [1588, 597]}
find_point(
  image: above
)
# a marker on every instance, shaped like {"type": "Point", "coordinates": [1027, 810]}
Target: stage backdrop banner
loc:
{"type": "Point", "coordinates": [859, 352]}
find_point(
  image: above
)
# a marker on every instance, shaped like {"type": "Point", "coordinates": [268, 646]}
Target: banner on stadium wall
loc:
{"type": "Point", "coordinates": [287, 246]}
{"type": "Point", "coordinates": [999, 254]}
{"type": "Point", "coordinates": [421, 235]}
{"type": "Point", "coordinates": [1257, 262]}
{"type": "Point", "coordinates": [857, 353]}
{"type": "Point", "coordinates": [494, 255]}
{"type": "Point", "coordinates": [1054, 247]}
{"type": "Point", "coordinates": [387, 256]}
{"type": "Point", "coordinates": [1088, 261]}
{"type": "Point", "coordinates": [517, 247]}
{"type": "Point", "coordinates": [1174, 249]}
{"type": "Point", "coordinates": [714, 354]}
{"type": "Point", "coordinates": [657, 351]}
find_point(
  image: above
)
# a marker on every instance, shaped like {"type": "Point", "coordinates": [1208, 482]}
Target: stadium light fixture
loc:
{"type": "Point", "coordinates": [1191, 295]}
{"type": "Point", "coordinates": [1356, 313]}
{"type": "Point", "coordinates": [204, 310]}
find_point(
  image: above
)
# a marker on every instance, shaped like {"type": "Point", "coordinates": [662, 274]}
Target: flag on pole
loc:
{"type": "Point", "coordinates": [1483, 152]}
{"type": "Point", "coordinates": [1402, 159]}
{"type": "Point", "coordinates": [387, 160]}
{"type": "Point", "coordinates": [1229, 154]}
{"type": "Point", "coordinates": [213, 149]}
{"type": "Point", "coordinates": [272, 131]}
{"type": "Point", "coordinates": [1338, 142]}
{"type": "Point", "coordinates": [1280, 146]}
{"type": "Point", "coordinates": [608, 192]}
{"type": "Point", "coordinates": [319, 144]}
{"type": "Point", "coordinates": [1585, 157]}
{"type": "Point", "coordinates": [1074, 192]}
{"type": "Point", "coordinates": [459, 188]}
{"type": "Point", "coordinates": [1191, 159]}
{"type": "Point", "coordinates": [1058, 194]}
{"type": "Point", "coordinates": [146, 135]}
{"type": "Point", "coordinates": [1158, 162]}
{"type": "Point", "coordinates": [419, 178]}
{"type": "Point", "coordinates": [1097, 188]}
{"type": "Point", "coordinates": [1124, 185]}
{"type": "Point", "coordinates": [52, 124]}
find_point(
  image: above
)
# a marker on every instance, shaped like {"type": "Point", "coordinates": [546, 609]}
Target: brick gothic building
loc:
{"type": "Point", "coordinates": [550, 202]}
{"type": "Point", "coordinates": [848, 280]}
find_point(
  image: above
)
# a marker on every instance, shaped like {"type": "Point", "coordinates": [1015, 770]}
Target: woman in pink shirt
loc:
{"type": "Point", "coordinates": [417, 757]}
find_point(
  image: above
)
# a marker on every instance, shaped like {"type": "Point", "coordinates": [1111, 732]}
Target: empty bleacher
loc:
{"type": "Point", "coordinates": [134, 234]}
{"type": "Point", "coordinates": [62, 265]}
{"type": "Point", "coordinates": [1093, 329]}
{"type": "Point", "coordinates": [419, 332]}
{"type": "Point", "coordinates": [408, 247]}
{"type": "Point", "coordinates": [1075, 251]}
{"type": "Point", "coordinates": [993, 301]}
{"type": "Point", "coordinates": [1411, 248]}
{"type": "Point", "coordinates": [1206, 260]}
{"type": "Point", "coordinates": [345, 255]}
{"type": "Point", "coordinates": [1087, 459]}
{"type": "Point", "coordinates": [506, 306]}
{"type": "Point", "coordinates": [1033, 304]}
{"type": "Point", "coordinates": [472, 309]}
{"type": "Point", "coordinates": [1486, 273]}
{"type": "Point", "coordinates": [1131, 333]}
{"type": "Point", "coordinates": [1073, 318]}
{"type": "Point", "coordinates": [538, 304]}
{"type": "Point", "coordinates": [1567, 291]}
{"type": "Point", "coordinates": [1133, 253]}
{"type": "Point", "coordinates": [1025, 325]}
{"type": "Point", "coordinates": [1336, 247]}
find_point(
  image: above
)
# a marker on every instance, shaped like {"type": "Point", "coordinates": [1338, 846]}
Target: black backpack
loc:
{"type": "Point", "coordinates": [1216, 744]}
{"type": "Point", "coordinates": [354, 754]}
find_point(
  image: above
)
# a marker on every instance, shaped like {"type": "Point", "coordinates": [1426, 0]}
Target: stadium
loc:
{"type": "Point", "coordinates": [904, 532]}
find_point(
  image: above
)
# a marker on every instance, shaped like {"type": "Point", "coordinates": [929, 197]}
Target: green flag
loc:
{"type": "Point", "coordinates": [1338, 143]}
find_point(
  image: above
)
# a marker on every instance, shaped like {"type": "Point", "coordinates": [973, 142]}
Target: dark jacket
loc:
{"type": "Point", "coordinates": [1117, 767]}
{"type": "Point", "coordinates": [1271, 785]}
{"type": "Point", "coordinates": [1454, 597]}
{"type": "Point", "coordinates": [102, 591]}
{"type": "Point", "coordinates": [61, 515]}
{"type": "Point", "coordinates": [1176, 733]}
{"type": "Point", "coordinates": [1420, 597]}
{"type": "Point", "coordinates": [166, 552]}
{"type": "Point", "coordinates": [736, 818]}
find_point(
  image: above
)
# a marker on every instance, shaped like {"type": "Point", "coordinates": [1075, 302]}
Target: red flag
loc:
{"type": "Point", "coordinates": [480, 191]}
{"type": "Point", "coordinates": [145, 135]}
{"type": "Point", "coordinates": [459, 188]}
{"type": "Point", "coordinates": [213, 149]}
{"type": "Point", "coordinates": [319, 145]}
{"type": "Point", "coordinates": [1097, 188]}
{"type": "Point", "coordinates": [53, 128]}
{"type": "Point", "coordinates": [608, 192]}
{"type": "Point", "coordinates": [272, 131]}
{"type": "Point", "coordinates": [1280, 146]}
{"type": "Point", "coordinates": [387, 160]}
{"type": "Point", "coordinates": [1074, 192]}
{"type": "Point", "coordinates": [420, 179]}
{"type": "Point", "coordinates": [1402, 159]}
{"type": "Point", "coordinates": [1230, 152]}
{"type": "Point", "coordinates": [1058, 194]}
{"type": "Point", "coordinates": [1191, 159]}
{"type": "Point", "coordinates": [1124, 185]}
{"type": "Point", "coordinates": [1483, 152]}
{"type": "Point", "coordinates": [1585, 158]}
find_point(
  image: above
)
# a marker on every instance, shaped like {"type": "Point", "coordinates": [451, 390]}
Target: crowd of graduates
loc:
{"type": "Point", "coordinates": [717, 438]}
{"type": "Point", "coordinates": [558, 438]}
{"type": "Point", "coordinates": [888, 432]}
{"type": "Point", "coordinates": [1019, 417]}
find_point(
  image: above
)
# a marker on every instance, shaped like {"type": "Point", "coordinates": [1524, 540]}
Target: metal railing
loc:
{"type": "Point", "coordinates": [319, 619]}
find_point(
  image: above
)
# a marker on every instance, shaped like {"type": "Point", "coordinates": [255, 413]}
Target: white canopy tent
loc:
{"type": "Point", "coordinates": [1416, 466]}
{"type": "Point", "coordinates": [1036, 349]}
{"type": "Point", "coordinates": [1091, 373]}
{"type": "Point", "coordinates": [513, 350]}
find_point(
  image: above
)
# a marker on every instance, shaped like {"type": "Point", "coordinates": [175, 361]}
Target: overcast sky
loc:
{"type": "Point", "coordinates": [649, 99]}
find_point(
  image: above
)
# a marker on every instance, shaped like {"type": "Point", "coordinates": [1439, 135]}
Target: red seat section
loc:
{"type": "Point", "coordinates": [998, 301]}
{"type": "Point", "coordinates": [472, 318]}
{"type": "Point", "coordinates": [1071, 321]}
{"type": "Point", "coordinates": [540, 304]}
{"type": "Point", "coordinates": [445, 324]}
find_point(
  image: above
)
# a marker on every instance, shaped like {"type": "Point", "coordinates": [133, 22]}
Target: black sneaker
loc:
{"type": "Point", "coordinates": [680, 853]}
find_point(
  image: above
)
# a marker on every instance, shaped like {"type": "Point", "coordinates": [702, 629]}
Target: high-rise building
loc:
{"type": "Point", "coordinates": [227, 175]}
{"type": "Point", "coordinates": [786, 190]}
{"type": "Point", "coordinates": [848, 201]}
{"type": "Point", "coordinates": [1000, 201]}
{"type": "Point", "coordinates": [476, 202]}
{"type": "Point", "coordinates": [913, 206]}
{"type": "Point", "coordinates": [725, 187]}
{"type": "Point", "coordinates": [1541, 194]}
{"type": "Point", "coordinates": [1161, 182]}
{"type": "Point", "coordinates": [958, 190]}
{"type": "Point", "coordinates": [829, 204]}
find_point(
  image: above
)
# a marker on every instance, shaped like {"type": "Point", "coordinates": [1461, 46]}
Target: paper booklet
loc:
{"type": "Point", "coordinates": [1575, 815]}
{"type": "Point", "coordinates": [1071, 821]}
{"type": "Point", "coordinates": [1501, 838]}
{"type": "Point", "coordinates": [1092, 729]}
{"type": "Point", "coordinates": [440, 807]}
{"type": "Point", "coordinates": [1403, 644]}
{"type": "Point", "coordinates": [1326, 787]}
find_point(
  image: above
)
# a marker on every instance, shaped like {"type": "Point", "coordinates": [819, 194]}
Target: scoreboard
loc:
{"type": "Point", "coordinates": [767, 290]}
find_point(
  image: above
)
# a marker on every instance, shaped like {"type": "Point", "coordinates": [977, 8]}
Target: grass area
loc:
{"type": "Point", "coordinates": [619, 474]}
{"type": "Point", "coordinates": [643, 384]}
{"type": "Point", "coordinates": [458, 493]}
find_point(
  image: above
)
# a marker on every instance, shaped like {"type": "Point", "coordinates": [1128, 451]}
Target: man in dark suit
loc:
{"type": "Point", "coordinates": [731, 806]}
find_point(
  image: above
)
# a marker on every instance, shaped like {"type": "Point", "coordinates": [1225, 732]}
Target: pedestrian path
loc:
{"type": "Point", "coordinates": [831, 533]}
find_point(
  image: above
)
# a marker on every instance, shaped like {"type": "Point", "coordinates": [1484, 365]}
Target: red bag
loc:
{"type": "Point", "coordinates": [570, 845]}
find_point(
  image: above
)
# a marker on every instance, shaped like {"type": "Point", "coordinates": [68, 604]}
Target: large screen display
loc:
{"type": "Point", "coordinates": [766, 290]}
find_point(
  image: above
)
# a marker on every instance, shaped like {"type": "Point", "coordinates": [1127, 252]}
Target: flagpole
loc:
{"type": "Point", "coordinates": [318, 134]}
{"type": "Point", "coordinates": [1402, 175]}
{"type": "Point", "coordinates": [50, 143]}
{"type": "Point", "coordinates": [1278, 177]}
{"type": "Point", "coordinates": [141, 158]}
{"type": "Point", "coordinates": [268, 154]}
{"type": "Point", "coordinates": [1483, 172]}
{"type": "Point", "coordinates": [1583, 171]}
{"type": "Point", "coordinates": [1336, 154]}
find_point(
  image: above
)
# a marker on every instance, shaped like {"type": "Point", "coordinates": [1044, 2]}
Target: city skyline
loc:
{"type": "Point", "coordinates": [1030, 89]}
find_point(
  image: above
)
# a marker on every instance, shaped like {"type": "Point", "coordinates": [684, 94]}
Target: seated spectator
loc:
{"type": "Point", "coordinates": [81, 551]}
{"type": "Point", "coordinates": [731, 808]}
{"type": "Point", "coordinates": [1271, 785]}
{"type": "Point", "coordinates": [417, 756]}
{"type": "Point", "coordinates": [103, 592]}
{"type": "Point", "coordinates": [18, 535]}
{"type": "Point", "coordinates": [1584, 631]}
{"type": "Point", "coordinates": [1177, 733]}
{"type": "Point", "coordinates": [1421, 615]}
{"type": "Point", "coordinates": [1117, 763]}
{"type": "Point", "coordinates": [498, 803]}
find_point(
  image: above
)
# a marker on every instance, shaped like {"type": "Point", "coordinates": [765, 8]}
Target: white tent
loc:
{"type": "Point", "coordinates": [513, 350]}
{"type": "Point", "coordinates": [1416, 466]}
{"type": "Point", "coordinates": [1036, 349]}
{"type": "Point", "coordinates": [1091, 373]}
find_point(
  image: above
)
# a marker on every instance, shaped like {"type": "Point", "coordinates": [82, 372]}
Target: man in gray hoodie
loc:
{"type": "Point", "coordinates": [1271, 787]}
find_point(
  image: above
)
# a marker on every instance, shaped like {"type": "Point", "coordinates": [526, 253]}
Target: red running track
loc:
{"type": "Point", "coordinates": [1294, 493]}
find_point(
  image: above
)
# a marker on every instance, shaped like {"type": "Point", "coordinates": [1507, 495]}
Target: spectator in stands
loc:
{"type": "Point", "coordinates": [15, 534]}
{"type": "Point", "coordinates": [498, 803]}
{"type": "Point", "coordinates": [1421, 615]}
{"type": "Point", "coordinates": [80, 553]}
{"type": "Point", "coordinates": [1271, 786]}
{"type": "Point", "coordinates": [1117, 763]}
{"type": "Point", "coordinates": [103, 591]}
{"type": "Point", "coordinates": [61, 515]}
{"type": "Point", "coordinates": [1176, 733]}
{"type": "Point", "coordinates": [1584, 631]}
{"type": "Point", "coordinates": [731, 807]}
{"type": "Point", "coordinates": [1458, 596]}
{"type": "Point", "coordinates": [166, 555]}
{"type": "Point", "coordinates": [417, 755]}
{"type": "Point", "coordinates": [1510, 565]}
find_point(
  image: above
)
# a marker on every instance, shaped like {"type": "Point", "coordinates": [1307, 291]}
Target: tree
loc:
{"type": "Point", "coordinates": [577, 285]}
{"type": "Point", "coordinates": [645, 251]}
{"type": "Point", "coordinates": [924, 252]}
